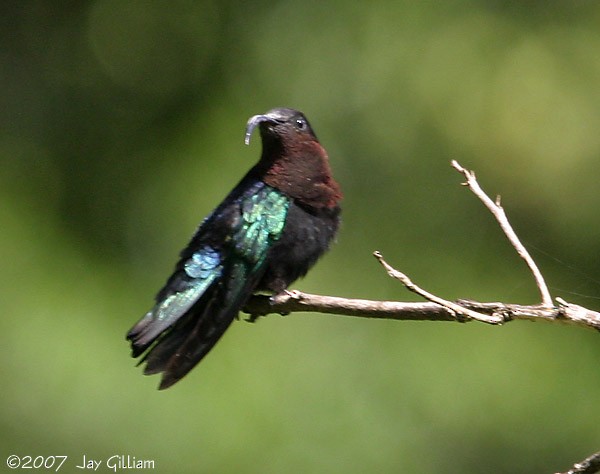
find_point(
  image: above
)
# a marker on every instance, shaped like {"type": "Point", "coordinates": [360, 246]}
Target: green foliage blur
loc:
{"type": "Point", "coordinates": [121, 127]}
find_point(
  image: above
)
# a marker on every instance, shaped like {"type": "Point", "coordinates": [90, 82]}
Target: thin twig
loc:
{"type": "Point", "coordinates": [589, 465]}
{"type": "Point", "coordinates": [498, 212]}
{"type": "Point", "coordinates": [449, 305]}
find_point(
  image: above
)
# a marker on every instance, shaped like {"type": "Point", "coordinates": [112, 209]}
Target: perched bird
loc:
{"type": "Point", "coordinates": [274, 225]}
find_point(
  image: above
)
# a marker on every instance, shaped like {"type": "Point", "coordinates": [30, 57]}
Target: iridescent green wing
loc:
{"type": "Point", "coordinates": [263, 215]}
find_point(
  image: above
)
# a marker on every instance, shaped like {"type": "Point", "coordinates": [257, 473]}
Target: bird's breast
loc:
{"type": "Point", "coordinates": [307, 234]}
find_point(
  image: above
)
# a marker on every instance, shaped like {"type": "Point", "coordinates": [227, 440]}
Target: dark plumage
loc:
{"type": "Point", "coordinates": [273, 226]}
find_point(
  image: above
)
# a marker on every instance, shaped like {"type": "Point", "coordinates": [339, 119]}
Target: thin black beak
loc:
{"type": "Point", "coordinates": [254, 122]}
{"type": "Point", "coordinates": [251, 125]}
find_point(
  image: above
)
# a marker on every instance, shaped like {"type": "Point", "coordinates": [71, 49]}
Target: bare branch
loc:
{"type": "Point", "coordinates": [576, 313]}
{"type": "Point", "coordinates": [438, 309]}
{"type": "Point", "coordinates": [284, 303]}
{"type": "Point", "coordinates": [589, 465]}
{"type": "Point", "coordinates": [498, 212]}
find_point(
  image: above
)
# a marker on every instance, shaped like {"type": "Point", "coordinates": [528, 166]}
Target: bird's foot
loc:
{"type": "Point", "coordinates": [293, 294]}
{"type": "Point", "coordinates": [282, 297]}
{"type": "Point", "coordinates": [274, 301]}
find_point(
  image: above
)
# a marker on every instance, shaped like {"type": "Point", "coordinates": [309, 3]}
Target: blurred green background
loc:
{"type": "Point", "coordinates": [122, 126]}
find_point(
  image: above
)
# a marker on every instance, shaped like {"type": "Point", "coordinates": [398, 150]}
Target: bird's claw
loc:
{"type": "Point", "coordinates": [282, 296]}
{"type": "Point", "coordinates": [294, 294]}
{"type": "Point", "coordinates": [253, 317]}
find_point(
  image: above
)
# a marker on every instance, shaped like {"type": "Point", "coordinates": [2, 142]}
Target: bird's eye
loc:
{"type": "Point", "coordinates": [300, 123]}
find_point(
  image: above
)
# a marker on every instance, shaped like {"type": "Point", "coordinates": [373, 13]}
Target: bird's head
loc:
{"type": "Point", "coordinates": [292, 159]}
{"type": "Point", "coordinates": [281, 126]}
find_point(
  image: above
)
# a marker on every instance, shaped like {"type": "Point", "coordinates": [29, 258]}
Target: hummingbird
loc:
{"type": "Point", "coordinates": [269, 231]}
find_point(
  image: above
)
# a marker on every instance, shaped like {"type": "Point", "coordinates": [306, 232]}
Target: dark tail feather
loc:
{"type": "Point", "coordinates": [175, 300]}
{"type": "Point", "coordinates": [181, 349]}
{"type": "Point", "coordinates": [177, 350]}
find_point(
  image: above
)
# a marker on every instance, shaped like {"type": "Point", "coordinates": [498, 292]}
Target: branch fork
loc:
{"type": "Point", "coordinates": [498, 212]}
